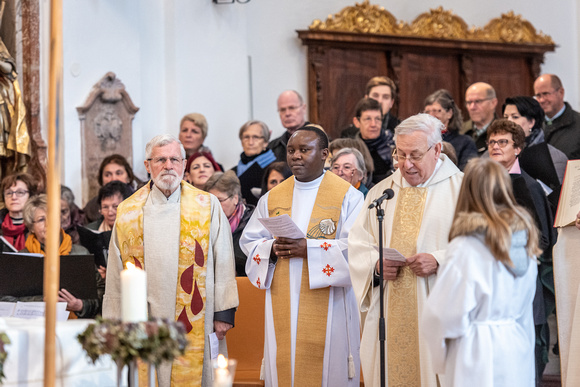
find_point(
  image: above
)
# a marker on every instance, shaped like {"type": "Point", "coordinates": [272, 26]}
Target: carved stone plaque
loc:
{"type": "Point", "coordinates": [106, 128]}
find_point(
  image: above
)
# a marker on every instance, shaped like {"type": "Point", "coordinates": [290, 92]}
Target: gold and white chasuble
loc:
{"type": "Point", "coordinates": [325, 273]}
{"type": "Point", "coordinates": [417, 220]}
{"type": "Point", "coordinates": [183, 244]}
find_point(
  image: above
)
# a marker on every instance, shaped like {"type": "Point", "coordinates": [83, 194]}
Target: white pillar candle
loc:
{"type": "Point", "coordinates": [133, 294]}
{"type": "Point", "coordinates": [222, 375]}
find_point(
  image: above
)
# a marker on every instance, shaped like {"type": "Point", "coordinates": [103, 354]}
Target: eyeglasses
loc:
{"type": "Point", "coordinates": [346, 168]}
{"type": "Point", "coordinates": [40, 220]}
{"type": "Point", "coordinates": [107, 208]}
{"type": "Point", "coordinates": [368, 119]}
{"type": "Point", "coordinates": [289, 109]}
{"type": "Point", "coordinates": [546, 94]}
{"type": "Point", "coordinates": [163, 160]}
{"type": "Point", "coordinates": [18, 194]}
{"type": "Point", "coordinates": [476, 102]}
{"type": "Point", "coordinates": [253, 138]}
{"type": "Point", "coordinates": [501, 142]}
{"type": "Point", "coordinates": [414, 159]}
{"type": "Point", "coordinates": [224, 199]}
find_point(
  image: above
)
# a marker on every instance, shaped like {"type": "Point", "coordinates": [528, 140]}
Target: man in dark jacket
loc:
{"type": "Point", "coordinates": [562, 125]}
{"type": "Point", "coordinates": [292, 110]}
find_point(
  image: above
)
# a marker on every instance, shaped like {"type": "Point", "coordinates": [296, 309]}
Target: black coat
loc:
{"type": "Point", "coordinates": [236, 235]}
{"type": "Point", "coordinates": [564, 133]}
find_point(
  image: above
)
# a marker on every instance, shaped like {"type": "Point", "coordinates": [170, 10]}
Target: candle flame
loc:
{"type": "Point", "coordinates": [130, 266]}
{"type": "Point", "coordinates": [222, 361]}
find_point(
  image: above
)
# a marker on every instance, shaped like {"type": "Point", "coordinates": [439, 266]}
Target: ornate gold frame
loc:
{"type": "Point", "coordinates": [437, 23]}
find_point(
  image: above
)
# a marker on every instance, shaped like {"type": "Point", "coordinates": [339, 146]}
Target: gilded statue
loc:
{"type": "Point", "coordinates": [14, 138]}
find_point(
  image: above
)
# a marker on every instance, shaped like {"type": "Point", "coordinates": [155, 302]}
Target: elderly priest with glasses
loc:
{"type": "Point", "coordinates": [417, 224]}
{"type": "Point", "coordinates": [181, 237]}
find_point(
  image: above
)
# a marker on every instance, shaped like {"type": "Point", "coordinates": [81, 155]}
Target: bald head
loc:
{"type": "Point", "coordinates": [481, 102]}
{"type": "Point", "coordinates": [549, 92]}
{"type": "Point", "coordinates": [292, 110]}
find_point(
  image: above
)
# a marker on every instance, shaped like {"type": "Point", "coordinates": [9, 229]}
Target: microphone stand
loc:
{"type": "Point", "coordinates": [387, 195]}
{"type": "Point", "coordinates": [380, 218]}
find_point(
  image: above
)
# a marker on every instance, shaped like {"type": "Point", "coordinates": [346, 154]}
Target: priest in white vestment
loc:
{"type": "Point", "coordinates": [417, 224]}
{"type": "Point", "coordinates": [320, 347]}
{"type": "Point", "coordinates": [180, 236]}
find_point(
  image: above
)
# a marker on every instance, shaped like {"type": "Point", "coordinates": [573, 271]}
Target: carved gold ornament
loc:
{"type": "Point", "coordinates": [511, 28]}
{"type": "Point", "coordinates": [437, 23]}
{"type": "Point", "coordinates": [362, 18]}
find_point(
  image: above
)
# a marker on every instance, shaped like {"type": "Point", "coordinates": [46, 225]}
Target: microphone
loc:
{"type": "Point", "coordinates": [387, 194]}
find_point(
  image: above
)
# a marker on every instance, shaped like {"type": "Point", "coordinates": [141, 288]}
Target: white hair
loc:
{"type": "Point", "coordinates": [359, 159]}
{"type": "Point", "coordinates": [162, 140]}
{"type": "Point", "coordinates": [422, 122]}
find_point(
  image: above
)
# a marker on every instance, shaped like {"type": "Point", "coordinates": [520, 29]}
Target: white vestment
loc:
{"type": "Point", "coordinates": [443, 190]}
{"type": "Point", "coordinates": [342, 328]}
{"type": "Point", "coordinates": [161, 229]}
{"type": "Point", "coordinates": [566, 282]}
{"type": "Point", "coordinates": [478, 320]}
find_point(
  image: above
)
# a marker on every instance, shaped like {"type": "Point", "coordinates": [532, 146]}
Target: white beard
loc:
{"type": "Point", "coordinates": [167, 181]}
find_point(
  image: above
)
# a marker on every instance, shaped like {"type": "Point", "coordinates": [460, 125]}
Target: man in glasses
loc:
{"type": "Point", "coordinates": [292, 111]}
{"type": "Point", "coordinates": [480, 101]}
{"type": "Point", "coordinates": [176, 233]}
{"type": "Point", "coordinates": [562, 125]}
{"type": "Point", "coordinates": [417, 224]}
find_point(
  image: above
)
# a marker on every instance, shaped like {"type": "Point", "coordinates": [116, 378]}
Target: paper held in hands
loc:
{"type": "Point", "coordinates": [392, 254]}
{"type": "Point", "coordinates": [282, 226]}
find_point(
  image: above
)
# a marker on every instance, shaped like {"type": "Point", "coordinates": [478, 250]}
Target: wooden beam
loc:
{"type": "Point", "coordinates": [52, 258]}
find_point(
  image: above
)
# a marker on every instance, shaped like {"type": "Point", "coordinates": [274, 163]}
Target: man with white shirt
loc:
{"type": "Point", "coordinates": [562, 125]}
{"type": "Point", "coordinates": [181, 237]}
{"type": "Point", "coordinates": [312, 334]}
{"type": "Point", "coordinates": [418, 219]}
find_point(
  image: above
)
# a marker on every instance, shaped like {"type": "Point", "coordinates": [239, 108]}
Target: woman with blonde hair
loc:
{"type": "Point", "coordinates": [477, 320]}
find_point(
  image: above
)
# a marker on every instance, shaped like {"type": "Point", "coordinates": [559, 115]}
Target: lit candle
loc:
{"type": "Point", "coordinates": [133, 294]}
{"type": "Point", "coordinates": [222, 375]}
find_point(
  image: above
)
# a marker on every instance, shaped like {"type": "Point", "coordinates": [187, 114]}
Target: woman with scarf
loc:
{"type": "Point", "coordinates": [226, 187]}
{"type": "Point", "coordinates": [16, 189]}
{"type": "Point", "coordinates": [255, 158]}
{"type": "Point", "coordinates": [34, 213]}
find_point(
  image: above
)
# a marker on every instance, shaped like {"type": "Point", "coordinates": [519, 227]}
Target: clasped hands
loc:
{"type": "Point", "coordinates": [289, 248]}
{"type": "Point", "coordinates": [422, 264]}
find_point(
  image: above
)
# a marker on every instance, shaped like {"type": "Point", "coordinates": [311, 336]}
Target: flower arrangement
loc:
{"type": "Point", "coordinates": [3, 354]}
{"type": "Point", "coordinates": [152, 341]}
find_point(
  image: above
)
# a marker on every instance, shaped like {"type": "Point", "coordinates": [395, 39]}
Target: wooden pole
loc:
{"type": "Point", "coordinates": [52, 259]}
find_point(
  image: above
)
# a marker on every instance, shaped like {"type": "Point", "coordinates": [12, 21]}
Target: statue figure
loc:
{"type": "Point", "coordinates": [15, 149]}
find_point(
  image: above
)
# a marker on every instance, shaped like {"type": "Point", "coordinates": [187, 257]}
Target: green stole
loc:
{"type": "Point", "coordinates": [313, 310]}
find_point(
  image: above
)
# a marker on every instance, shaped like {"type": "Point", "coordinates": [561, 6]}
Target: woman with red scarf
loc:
{"type": "Point", "coordinates": [227, 188]}
{"type": "Point", "coordinates": [16, 189]}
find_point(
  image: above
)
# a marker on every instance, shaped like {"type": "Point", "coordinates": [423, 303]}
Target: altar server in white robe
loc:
{"type": "Point", "coordinates": [181, 237]}
{"type": "Point", "coordinates": [312, 334]}
{"type": "Point", "coordinates": [417, 223]}
{"type": "Point", "coordinates": [478, 320]}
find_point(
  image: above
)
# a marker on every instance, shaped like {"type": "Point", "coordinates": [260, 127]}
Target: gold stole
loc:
{"type": "Point", "coordinates": [313, 310]}
{"type": "Point", "coordinates": [195, 217]}
{"type": "Point", "coordinates": [404, 368]}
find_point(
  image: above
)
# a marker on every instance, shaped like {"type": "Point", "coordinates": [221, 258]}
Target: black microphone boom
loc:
{"type": "Point", "coordinates": [387, 194]}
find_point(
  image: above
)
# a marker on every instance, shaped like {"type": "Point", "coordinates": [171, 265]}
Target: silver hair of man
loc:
{"type": "Point", "coordinates": [422, 122]}
{"type": "Point", "coordinates": [162, 140]}
{"type": "Point", "coordinates": [359, 159]}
